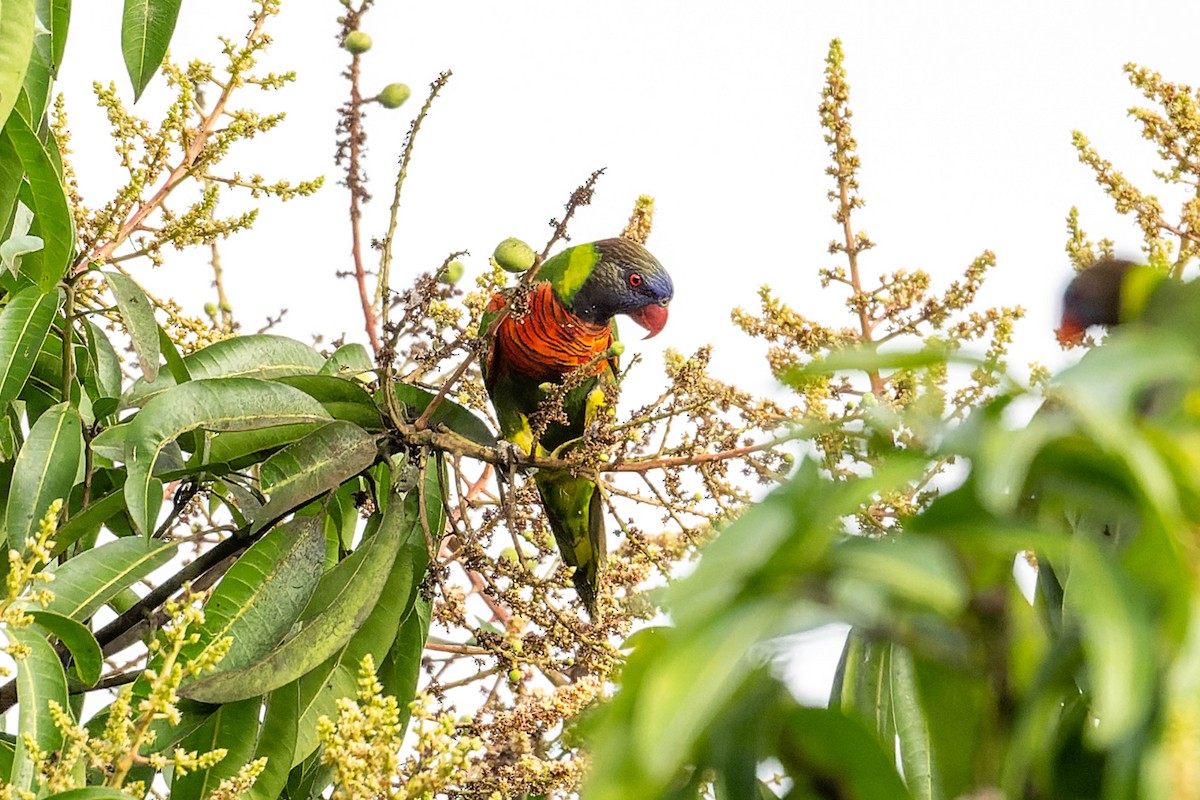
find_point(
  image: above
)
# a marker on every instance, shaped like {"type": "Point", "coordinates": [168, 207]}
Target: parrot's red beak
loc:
{"type": "Point", "coordinates": [1070, 333]}
{"type": "Point", "coordinates": [652, 317]}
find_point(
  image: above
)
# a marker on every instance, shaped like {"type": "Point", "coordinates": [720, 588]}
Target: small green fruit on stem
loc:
{"type": "Point", "coordinates": [394, 95]}
{"type": "Point", "coordinates": [453, 272]}
{"type": "Point", "coordinates": [357, 42]}
{"type": "Point", "coordinates": [513, 255]}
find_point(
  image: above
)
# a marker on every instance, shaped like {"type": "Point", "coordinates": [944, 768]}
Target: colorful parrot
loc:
{"type": "Point", "coordinates": [1142, 304]}
{"type": "Point", "coordinates": [1114, 291]}
{"type": "Point", "coordinates": [569, 326]}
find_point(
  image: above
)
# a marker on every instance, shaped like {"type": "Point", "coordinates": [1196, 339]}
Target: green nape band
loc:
{"type": "Point", "coordinates": [1139, 283]}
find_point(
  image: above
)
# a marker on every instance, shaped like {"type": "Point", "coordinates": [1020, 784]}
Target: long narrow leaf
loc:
{"type": "Point", "coordinates": [146, 28]}
{"type": "Point", "coordinates": [276, 742]}
{"type": "Point", "coordinates": [263, 356]}
{"type": "Point", "coordinates": [12, 174]}
{"type": "Point", "coordinates": [47, 198]}
{"type": "Point", "coordinates": [138, 315]}
{"type": "Point", "coordinates": [223, 404]}
{"type": "Point", "coordinates": [400, 672]}
{"type": "Point", "coordinates": [912, 731]}
{"type": "Point", "coordinates": [24, 324]}
{"type": "Point", "coordinates": [261, 597]}
{"type": "Point", "coordinates": [88, 520]}
{"type": "Point", "coordinates": [317, 463]}
{"type": "Point", "coordinates": [106, 363]}
{"type": "Point", "coordinates": [60, 20]}
{"type": "Point", "coordinates": [39, 76]}
{"type": "Point", "coordinates": [40, 680]}
{"type": "Point", "coordinates": [234, 728]}
{"type": "Point", "coordinates": [45, 471]}
{"type": "Point", "coordinates": [92, 578]}
{"type": "Point", "coordinates": [337, 678]}
{"type": "Point", "coordinates": [863, 682]}
{"type": "Point", "coordinates": [77, 639]}
{"type": "Point", "coordinates": [357, 584]}
{"type": "Point", "coordinates": [17, 24]}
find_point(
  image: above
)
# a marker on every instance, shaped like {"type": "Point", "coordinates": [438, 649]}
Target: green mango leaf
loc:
{"type": "Point", "coordinates": [346, 595]}
{"type": "Point", "coordinates": [238, 449]}
{"type": "Point", "coordinates": [89, 580]}
{"type": "Point", "coordinates": [77, 639]}
{"type": "Point", "coordinates": [39, 77]}
{"type": "Point", "coordinates": [45, 196]}
{"type": "Point", "coordinates": [317, 463]}
{"type": "Point", "coordinates": [45, 470]}
{"type": "Point", "coordinates": [337, 677]}
{"type": "Point", "coordinates": [871, 359]}
{"type": "Point", "coordinates": [106, 363]}
{"type": "Point", "coordinates": [815, 747]}
{"type": "Point", "coordinates": [90, 793]}
{"type": "Point", "coordinates": [348, 361]}
{"type": "Point", "coordinates": [110, 443]}
{"type": "Point", "coordinates": [12, 175]}
{"type": "Point", "coordinates": [40, 680]}
{"type": "Point", "coordinates": [909, 569]}
{"type": "Point", "coordinates": [51, 144]}
{"type": "Point", "coordinates": [24, 325]}
{"type": "Point", "coordinates": [261, 355]}
{"type": "Point", "coordinates": [16, 247]}
{"type": "Point", "coordinates": [260, 599]}
{"type": "Point", "coordinates": [138, 315]}
{"type": "Point", "coordinates": [17, 25]}
{"type": "Point", "coordinates": [89, 520]}
{"type": "Point", "coordinates": [232, 727]}
{"type": "Point", "coordinates": [401, 669]}
{"type": "Point", "coordinates": [276, 742]}
{"type": "Point", "coordinates": [862, 683]}
{"type": "Point", "coordinates": [448, 413]}
{"type": "Point", "coordinates": [737, 561]}
{"type": "Point", "coordinates": [921, 773]}
{"type": "Point", "coordinates": [957, 705]}
{"type": "Point", "coordinates": [309, 778]}
{"type": "Point", "coordinates": [59, 13]}
{"type": "Point", "coordinates": [146, 28]}
{"type": "Point", "coordinates": [221, 404]}
{"type": "Point", "coordinates": [343, 399]}
{"type": "Point", "coordinates": [1118, 624]}
{"type": "Point", "coordinates": [170, 353]}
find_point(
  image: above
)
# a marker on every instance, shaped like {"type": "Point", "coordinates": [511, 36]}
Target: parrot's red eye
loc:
{"type": "Point", "coordinates": [635, 280]}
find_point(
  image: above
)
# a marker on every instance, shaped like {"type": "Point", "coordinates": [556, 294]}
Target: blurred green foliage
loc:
{"type": "Point", "coordinates": [1085, 689]}
{"type": "Point", "coordinates": [1033, 631]}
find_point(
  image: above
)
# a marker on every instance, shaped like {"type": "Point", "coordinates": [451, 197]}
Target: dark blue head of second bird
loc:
{"type": "Point", "coordinates": [626, 280]}
{"type": "Point", "coordinates": [1094, 296]}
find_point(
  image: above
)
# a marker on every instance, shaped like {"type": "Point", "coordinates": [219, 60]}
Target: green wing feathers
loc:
{"type": "Point", "coordinates": [574, 511]}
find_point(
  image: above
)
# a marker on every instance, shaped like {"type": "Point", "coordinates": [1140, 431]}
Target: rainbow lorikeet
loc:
{"type": "Point", "coordinates": [1115, 292]}
{"type": "Point", "coordinates": [568, 331]}
{"type": "Point", "coordinates": [1143, 308]}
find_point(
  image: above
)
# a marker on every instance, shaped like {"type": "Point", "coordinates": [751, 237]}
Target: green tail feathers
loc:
{"type": "Point", "coordinates": [573, 508]}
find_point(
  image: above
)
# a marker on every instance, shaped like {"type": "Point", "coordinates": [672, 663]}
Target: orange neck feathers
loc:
{"type": "Point", "coordinates": [549, 341]}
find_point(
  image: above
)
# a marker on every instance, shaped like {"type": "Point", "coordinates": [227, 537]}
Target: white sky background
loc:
{"type": "Point", "coordinates": [963, 116]}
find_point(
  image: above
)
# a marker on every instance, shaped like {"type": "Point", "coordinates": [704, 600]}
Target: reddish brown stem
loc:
{"type": "Point", "coordinates": [358, 194]}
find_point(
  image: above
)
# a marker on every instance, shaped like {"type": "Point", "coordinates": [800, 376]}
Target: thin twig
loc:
{"type": "Point", "coordinates": [582, 196]}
